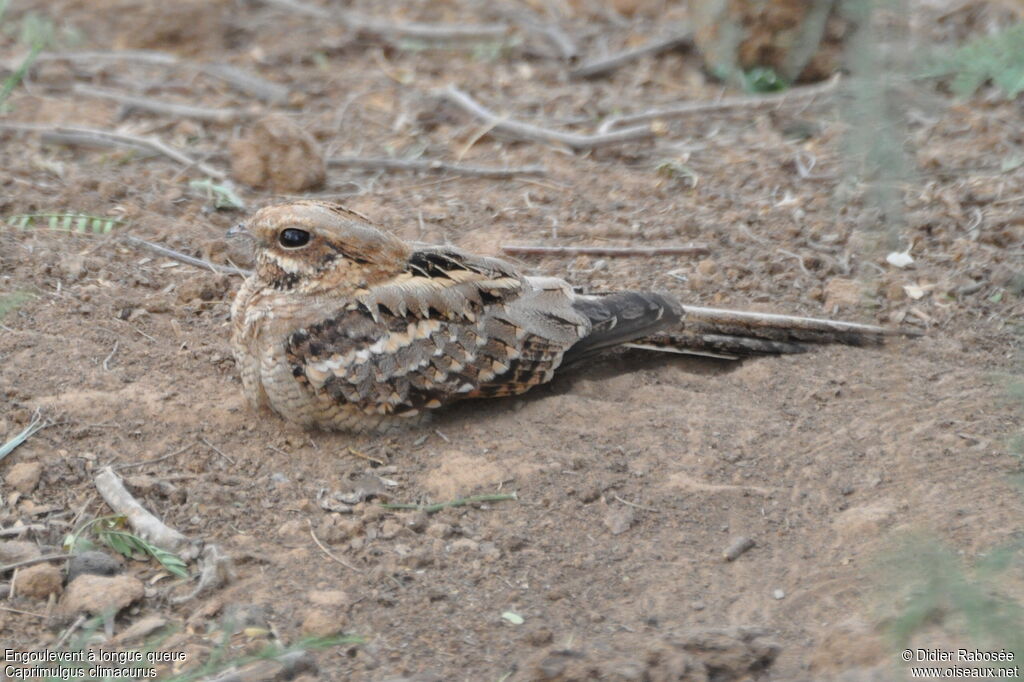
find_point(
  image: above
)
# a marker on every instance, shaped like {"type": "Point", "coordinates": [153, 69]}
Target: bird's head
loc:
{"type": "Point", "coordinates": [313, 247]}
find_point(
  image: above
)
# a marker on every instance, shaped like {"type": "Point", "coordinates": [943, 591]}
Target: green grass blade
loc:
{"type": "Point", "coordinates": [8, 447]}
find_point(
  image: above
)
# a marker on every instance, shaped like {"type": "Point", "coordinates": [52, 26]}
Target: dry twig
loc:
{"type": "Point", "coordinates": [184, 258]}
{"type": "Point", "coordinates": [644, 251]}
{"type": "Point", "coordinates": [239, 79]}
{"type": "Point", "coordinates": [149, 527]}
{"type": "Point", "coordinates": [796, 95]}
{"type": "Point", "coordinates": [34, 561]}
{"type": "Point", "coordinates": [328, 552]}
{"type": "Point", "coordinates": [207, 114]}
{"type": "Point", "coordinates": [397, 29]}
{"type": "Point", "coordinates": [534, 133]}
{"type": "Point", "coordinates": [432, 166]}
{"type": "Point", "coordinates": [599, 67]}
{"type": "Point", "coordinates": [89, 137]}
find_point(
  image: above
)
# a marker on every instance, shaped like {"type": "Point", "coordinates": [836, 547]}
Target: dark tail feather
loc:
{"type": "Point", "coordinates": [734, 334]}
{"type": "Point", "coordinates": [623, 317]}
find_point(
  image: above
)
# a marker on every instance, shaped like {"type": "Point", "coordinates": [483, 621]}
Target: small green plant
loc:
{"type": "Point", "coordinates": [11, 302]}
{"type": "Point", "coordinates": [111, 531]}
{"type": "Point", "coordinates": [762, 79]}
{"type": "Point", "coordinates": [933, 586]}
{"type": "Point", "coordinates": [223, 196]}
{"type": "Point", "coordinates": [996, 59]}
{"type": "Point", "coordinates": [82, 223]}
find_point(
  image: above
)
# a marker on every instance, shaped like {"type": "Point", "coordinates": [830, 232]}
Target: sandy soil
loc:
{"type": "Point", "coordinates": [632, 476]}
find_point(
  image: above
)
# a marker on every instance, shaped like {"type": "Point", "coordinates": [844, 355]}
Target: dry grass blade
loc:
{"type": "Point", "coordinates": [397, 29]}
{"type": "Point", "coordinates": [534, 133]}
{"type": "Point", "coordinates": [627, 251]}
{"type": "Point", "coordinates": [239, 79]}
{"type": "Point", "coordinates": [600, 67]}
{"type": "Point", "coordinates": [207, 114]}
{"type": "Point", "coordinates": [185, 258]}
{"type": "Point", "coordinates": [799, 95]}
{"type": "Point", "coordinates": [433, 166]}
{"type": "Point", "coordinates": [89, 137]}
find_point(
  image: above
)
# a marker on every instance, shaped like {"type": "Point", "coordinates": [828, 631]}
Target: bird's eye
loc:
{"type": "Point", "coordinates": [293, 238]}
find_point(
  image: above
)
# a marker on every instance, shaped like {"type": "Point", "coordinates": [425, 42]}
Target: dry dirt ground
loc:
{"type": "Point", "coordinates": [633, 476]}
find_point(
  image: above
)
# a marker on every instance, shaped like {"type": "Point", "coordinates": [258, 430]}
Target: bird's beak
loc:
{"type": "Point", "coordinates": [239, 230]}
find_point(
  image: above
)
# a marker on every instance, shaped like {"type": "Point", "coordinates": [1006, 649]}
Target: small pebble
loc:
{"type": "Point", "coordinates": [737, 547]}
{"type": "Point", "coordinates": [779, 594]}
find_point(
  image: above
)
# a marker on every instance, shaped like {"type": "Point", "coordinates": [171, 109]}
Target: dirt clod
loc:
{"type": "Point", "coordinates": [96, 594]}
{"type": "Point", "coordinates": [277, 153]}
{"type": "Point", "coordinates": [14, 551]}
{"type": "Point", "coordinates": [39, 581]}
{"type": "Point", "coordinates": [24, 476]}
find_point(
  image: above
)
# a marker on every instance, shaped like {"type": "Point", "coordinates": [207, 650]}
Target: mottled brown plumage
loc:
{"type": "Point", "coordinates": [345, 326]}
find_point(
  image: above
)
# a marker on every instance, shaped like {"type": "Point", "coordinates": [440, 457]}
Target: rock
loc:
{"type": "Point", "coordinates": [140, 629]}
{"type": "Point", "coordinates": [24, 476]}
{"type": "Point", "coordinates": [731, 653]}
{"type": "Point", "coordinates": [39, 581]}
{"type": "Point", "coordinates": [330, 597]}
{"type": "Point", "coordinates": [389, 529]}
{"type": "Point", "coordinates": [707, 267]}
{"type": "Point", "coordinates": [92, 563]}
{"type": "Point", "coordinates": [465, 545]}
{"type": "Point", "coordinates": [96, 594]}
{"type": "Point", "coordinates": [320, 623]}
{"type": "Point", "coordinates": [737, 547]}
{"type": "Point", "coordinates": [276, 153]}
{"type": "Point", "coordinates": [539, 637]}
{"type": "Point", "coordinates": [847, 645]}
{"type": "Point", "coordinates": [778, 594]}
{"type": "Point", "coordinates": [335, 529]}
{"type": "Point", "coordinates": [842, 293]}
{"type": "Point", "coordinates": [439, 530]}
{"type": "Point", "coordinates": [619, 519]}
{"type": "Point", "coordinates": [13, 551]}
{"type": "Point", "coordinates": [293, 530]}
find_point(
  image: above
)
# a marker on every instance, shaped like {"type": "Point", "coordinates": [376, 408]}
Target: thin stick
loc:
{"type": "Point", "coordinates": [24, 613]}
{"type": "Point", "coordinates": [634, 504]}
{"type": "Point", "coordinates": [90, 137]}
{"type": "Point", "coordinates": [207, 114]}
{"type": "Point", "coordinates": [217, 450]}
{"type": "Point", "coordinates": [328, 552]}
{"type": "Point", "coordinates": [599, 67]}
{"type": "Point", "coordinates": [68, 632]}
{"type": "Point", "coordinates": [375, 460]}
{"type": "Point", "coordinates": [643, 251]}
{"type": "Point", "coordinates": [239, 79]}
{"type": "Point", "coordinates": [791, 96]}
{"type": "Point", "coordinates": [106, 361]}
{"type": "Point", "coordinates": [533, 133]}
{"type": "Point", "coordinates": [460, 502]}
{"type": "Point", "coordinates": [33, 562]}
{"type": "Point", "coordinates": [386, 29]}
{"type": "Point", "coordinates": [719, 316]}
{"type": "Point", "coordinates": [184, 258]}
{"type": "Point", "coordinates": [433, 166]}
{"type": "Point", "coordinates": [145, 524]}
{"type": "Point", "coordinates": [20, 530]}
{"type": "Point", "coordinates": [130, 465]}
